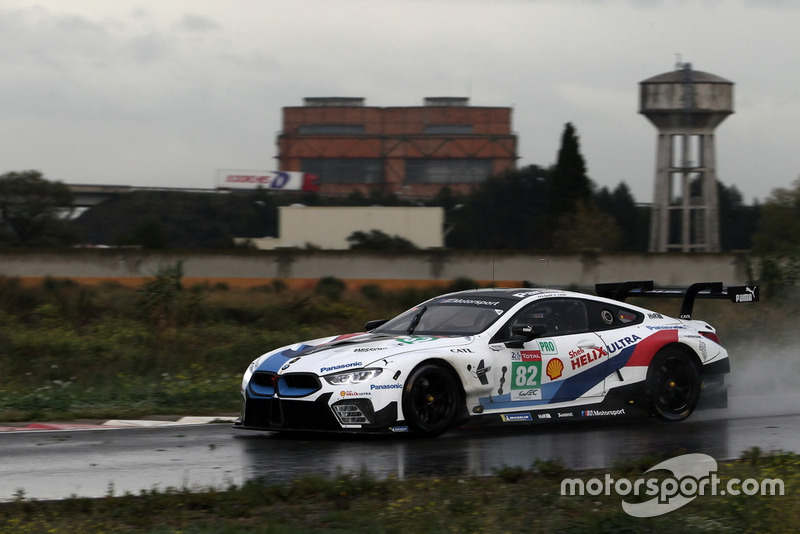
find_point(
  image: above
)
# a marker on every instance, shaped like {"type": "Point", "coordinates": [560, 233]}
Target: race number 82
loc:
{"type": "Point", "coordinates": [526, 369]}
{"type": "Point", "coordinates": [526, 374]}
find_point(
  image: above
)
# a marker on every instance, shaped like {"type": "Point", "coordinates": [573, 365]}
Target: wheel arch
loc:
{"type": "Point", "coordinates": [684, 348]}
{"type": "Point", "coordinates": [673, 393]}
{"type": "Point", "coordinates": [463, 413]}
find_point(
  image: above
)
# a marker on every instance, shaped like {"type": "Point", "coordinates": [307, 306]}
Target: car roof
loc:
{"type": "Point", "coordinates": [518, 293]}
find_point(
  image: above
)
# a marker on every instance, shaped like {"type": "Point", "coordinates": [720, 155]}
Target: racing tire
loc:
{"type": "Point", "coordinates": [431, 396]}
{"type": "Point", "coordinates": [673, 385]}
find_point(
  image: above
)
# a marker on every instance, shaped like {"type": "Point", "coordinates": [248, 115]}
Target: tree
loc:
{"type": "Point", "coordinates": [186, 220]}
{"type": "Point", "coordinates": [631, 220]}
{"type": "Point", "coordinates": [504, 212]}
{"type": "Point", "coordinates": [35, 211]}
{"type": "Point", "coordinates": [778, 229]}
{"type": "Point", "coordinates": [568, 184]}
{"type": "Point", "coordinates": [586, 228]}
{"type": "Point", "coordinates": [150, 233]}
{"type": "Point", "coordinates": [378, 240]}
{"type": "Point", "coordinates": [737, 222]}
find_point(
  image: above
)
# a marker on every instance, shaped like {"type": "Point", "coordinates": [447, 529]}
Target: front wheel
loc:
{"type": "Point", "coordinates": [673, 385]}
{"type": "Point", "coordinates": [430, 400]}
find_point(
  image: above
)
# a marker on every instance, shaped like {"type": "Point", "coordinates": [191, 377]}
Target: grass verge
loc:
{"type": "Point", "coordinates": [512, 500]}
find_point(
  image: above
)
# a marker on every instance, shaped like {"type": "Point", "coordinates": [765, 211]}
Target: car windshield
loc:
{"type": "Point", "coordinates": [448, 317]}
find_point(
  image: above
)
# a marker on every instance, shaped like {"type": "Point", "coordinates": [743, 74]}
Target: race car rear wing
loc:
{"type": "Point", "coordinates": [704, 290]}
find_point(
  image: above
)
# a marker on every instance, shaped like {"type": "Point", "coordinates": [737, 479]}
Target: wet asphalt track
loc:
{"type": "Point", "coordinates": [94, 463]}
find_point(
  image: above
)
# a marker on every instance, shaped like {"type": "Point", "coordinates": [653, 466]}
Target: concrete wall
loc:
{"type": "Point", "coordinates": [304, 268]}
{"type": "Point", "coordinates": [329, 227]}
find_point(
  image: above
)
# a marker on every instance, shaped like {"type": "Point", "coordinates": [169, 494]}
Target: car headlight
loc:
{"type": "Point", "coordinates": [352, 377]}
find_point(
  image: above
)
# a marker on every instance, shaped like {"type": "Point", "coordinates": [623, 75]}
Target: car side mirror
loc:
{"type": "Point", "coordinates": [522, 333]}
{"type": "Point", "coordinates": [372, 325]}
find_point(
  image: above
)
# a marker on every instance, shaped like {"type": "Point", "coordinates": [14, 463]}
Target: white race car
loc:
{"type": "Point", "coordinates": [505, 356]}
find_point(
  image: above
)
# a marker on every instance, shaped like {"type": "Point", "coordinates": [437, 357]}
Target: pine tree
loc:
{"type": "Point", "coordinates": [569, 184]}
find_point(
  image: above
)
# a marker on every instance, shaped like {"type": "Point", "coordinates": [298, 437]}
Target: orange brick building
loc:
{"type": "Point", "coordinates": [410, 151]}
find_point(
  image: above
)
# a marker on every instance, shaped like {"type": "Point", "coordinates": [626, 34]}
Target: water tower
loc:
{"type": "Point", "coordinates": [685, 105]}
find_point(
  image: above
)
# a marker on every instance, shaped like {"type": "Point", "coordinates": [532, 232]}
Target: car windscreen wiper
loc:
{"type": "Point", "coordinates": [415, 320]}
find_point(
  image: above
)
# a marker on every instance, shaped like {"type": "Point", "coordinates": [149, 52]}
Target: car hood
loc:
{"type": "Point", "coordinates": [352, 351]}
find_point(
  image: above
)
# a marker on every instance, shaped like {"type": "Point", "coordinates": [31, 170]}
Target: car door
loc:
{"type": "Point", "coordinates": [566, 362]}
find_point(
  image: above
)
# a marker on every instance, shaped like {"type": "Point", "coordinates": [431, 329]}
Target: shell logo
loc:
{"type": "Point", "coordinates": [554, 368]}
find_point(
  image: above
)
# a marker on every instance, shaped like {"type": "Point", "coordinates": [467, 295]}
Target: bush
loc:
{"type": "Point", "coordinates": [330, 287]}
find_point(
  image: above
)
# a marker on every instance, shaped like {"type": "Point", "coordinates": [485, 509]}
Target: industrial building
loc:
{"type": "Point", "coordinates": [409, 151]}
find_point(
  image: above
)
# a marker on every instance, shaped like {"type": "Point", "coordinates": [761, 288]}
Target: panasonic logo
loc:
{"type": "Point", "coordinates": [385, 386]}
{"type": "Point", "coordinates": [342, 366]}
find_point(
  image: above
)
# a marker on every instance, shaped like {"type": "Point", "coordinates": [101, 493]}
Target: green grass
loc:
{"type": "Point", "coordinates": [512, 500]}
{"type": "Point", "coordinates": [69, 351]}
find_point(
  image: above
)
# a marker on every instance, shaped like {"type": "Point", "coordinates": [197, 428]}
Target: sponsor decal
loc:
{"type": "Point", "coordinates": [602, 413]}
{"type": "Point", "coordinates": [750, 296]}
{"type": "Point", "coordinates": [502, 380]}
{"type": "Point", "coordinates": [474, 302]}
{"type": "Point", "coordinates": [368, 349]}
{"type": "Point", "coordinates": [654, 315]}
{"type": "Point", "coordinates": [469, 351]}
{"type": "Point", "coordinates": [544, 416]}
{"type": "Point", "coordinates": [386, 386]}
{"type": "Point", "coordinates": [581, 357]}
{"type": "Point", "coordinates": [620, 344]}
{"type": "Point", "coordinates": [342, 366]}
{"type": "Point", "coordinates": [547, 346]}
{"type": "Point", "coordinates": [712, 382]}
{"type": "Point", "coordinates": [410, 340]}
{"type": "Point", "coordinates": [526, 369]}
{"type": "Point", "coordinates": [566, 414]}
{"type": "Point", "coordinates": [514, 417]}
{"type": "Point", "coordinates": [480, 372]}
{"type": "Point", "coordinates": [526, 394]}
{"type": "Point", "coordinates": [348, 393]}
{"type": "Point", "coordinates": [670, 327]}
{"type": "Point", "coordinates": [554, 368]}
{"type": "Point", "coordinates": [399, 429]}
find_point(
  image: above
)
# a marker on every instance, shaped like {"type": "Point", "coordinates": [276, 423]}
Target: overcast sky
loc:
{"type": "Point", "coordinates": [165, 92]}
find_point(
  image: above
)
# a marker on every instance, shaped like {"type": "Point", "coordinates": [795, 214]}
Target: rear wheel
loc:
{"type": "Point", "coordinates": [430, 400]}
{"type": "Point", "coordinates": [673, 385]}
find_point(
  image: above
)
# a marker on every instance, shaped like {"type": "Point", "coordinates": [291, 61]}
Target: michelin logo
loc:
{"type": "Point", "coordinates": [513, 417]}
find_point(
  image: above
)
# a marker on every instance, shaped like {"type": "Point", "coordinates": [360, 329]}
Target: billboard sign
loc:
{"type": "Point", "coordinates": [272, 180]}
